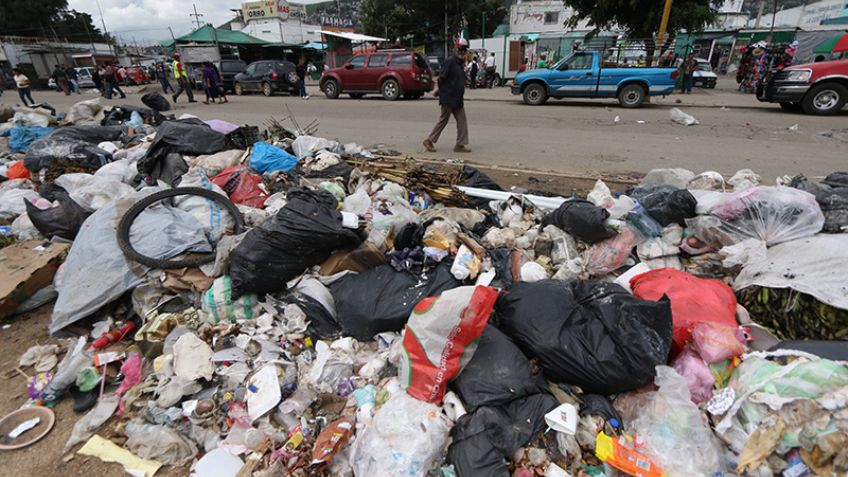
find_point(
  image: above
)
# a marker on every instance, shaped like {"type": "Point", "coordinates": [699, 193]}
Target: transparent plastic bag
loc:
{"type": "Point", "coordinates": [12, 202]}
{"type": "Point", "coordinates": [607, 256]}
{"type": "Point", "coordinates": [159, 443]}
{"type": "Point", "coordinates": [682, 118]}
{"type": "Point", "coordinates": [405, 437]}
{"type": "Point", "coordinates": [672, 426]}
{"type": "Point", "coordinates": [771, 214]}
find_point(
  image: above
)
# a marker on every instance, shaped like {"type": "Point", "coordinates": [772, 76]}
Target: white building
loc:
{"type": "Point", "coordinates": [731, 16]}
{"type": "Point", "coordinates": [805, 17]}
{"type": "Point", "coordinates": [277, 21]}
{"type": "Point", "coordinates": [541, 16]}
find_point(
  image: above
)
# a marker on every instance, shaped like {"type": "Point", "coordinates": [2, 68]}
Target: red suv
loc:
{"type": "Point", "coordinates": [815, 88]}
{"type": "Point", "coordinates": [391, 73]}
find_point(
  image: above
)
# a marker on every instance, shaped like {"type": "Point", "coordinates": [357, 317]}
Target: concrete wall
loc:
{"type": "Point", "coordinates": [282, 31]}
{"type": "Point", "coordinates": [806, 17]}
{"type": "Point", "coordinates": [544, 16]}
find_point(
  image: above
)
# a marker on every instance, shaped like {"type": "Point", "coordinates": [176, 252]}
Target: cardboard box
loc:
{"type": "Point", "coordinates": [25, 268]}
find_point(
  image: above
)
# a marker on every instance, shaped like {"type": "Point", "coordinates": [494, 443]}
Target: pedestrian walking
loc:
{"type": "Point", "coordinates": [222, 91]}
{"type": "Point", "coordinates": [24, 86]}
{"type": "Point", "coordinates": [210, 82]}
{"type": "Point", "coordinates": [181, 76]}
{"type": "Point", "coordinates": [121, 75]}
{"type": "Point", "coordinates": [162, 75]}
{"type": "Point", "coordinates": [490, 70]}
{"type": "Point", "coordinates": [97, 79]}
{"type": "Point", "coordinates": [474, 70]}
{"type": "Point", "coordinates": [451, 91]}
{"type": "Point", "coordinates": [300, 70]}
{"type": "Point", "coordinates": [73, 79]}
{"type": "Point", "coordinates": [61, 77]}
{"type": "Point", "coordinates": [687, 70]}
{"type": "Point", "coordinates": [111, 82]}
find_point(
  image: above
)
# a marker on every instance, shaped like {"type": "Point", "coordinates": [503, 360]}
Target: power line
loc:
{"type": "Point", "coordinates": [196, 16]}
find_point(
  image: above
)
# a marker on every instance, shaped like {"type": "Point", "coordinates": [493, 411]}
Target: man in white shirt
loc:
{"type": "Point", "coordinates": [490, 70]}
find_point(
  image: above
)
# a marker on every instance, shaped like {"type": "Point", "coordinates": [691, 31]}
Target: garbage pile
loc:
{"type": "Point", "coordinates": [250, 303]}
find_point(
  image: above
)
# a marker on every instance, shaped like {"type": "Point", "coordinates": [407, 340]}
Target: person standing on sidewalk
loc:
{"type": "Point", "coordinates": [474, 71]}
{"type": "Point", "coordinates": [162, 75]}
{"type": "Point", "coordinates": [24, 86]}
{"type": "Point", "coordinates": [451, 91]}
{"type": "Point", "coordinates": [181, 76]}
{"type": "Point", "coordinates": [61, 78]}
{"type": "Point", "coordinates": [73, 79]}
{"type": "Point", "coordinates": [688, 72]}
{"type": "Point", "coordinates": [490, 70]}
{"type": "Point", "coordinates": [300, 69]}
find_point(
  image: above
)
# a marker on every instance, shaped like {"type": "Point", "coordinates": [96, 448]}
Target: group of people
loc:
{"type": "Point", "coordinates": [66, 78]}
{"type": "Point", "coordinates": [487, 68]}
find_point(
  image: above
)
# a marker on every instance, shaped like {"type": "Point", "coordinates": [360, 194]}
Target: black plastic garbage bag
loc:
{"type": "Point", "coordinates": [75, 144]}
{"type": "Point", "coordinates": [170, 169]}
{"type": "Point", "coordinates": [665, 204]}
{"type": "Point", "coordinates": [62, 221]}
{"type": "Point", "coordinates": [302, 234]}
{"type": "Point", "coordinates": [485, 438]}
{"type": "Point", "coordinates": [382, 298]}
{"type": "Point", "coordinates": [478, 179]}
{"type": "Point", "coordinates": [244, 137]}
{"type": "Point", "coordinates": [582, 219]}
{"type": "Point", "coordinates": [156, 101]}
{"type": "Point", "coordinates": [497, 374]}
{"type": "Point", "coordinates": [831, 195]}
{"type": "Point", "coordinates": [837, 179]}
{"type": "Point", "coordinates": [590, 334]}
{"type": "Point", "coordinates": [118, 115]}
{"type": "Point", "coordinates": [186, 136]}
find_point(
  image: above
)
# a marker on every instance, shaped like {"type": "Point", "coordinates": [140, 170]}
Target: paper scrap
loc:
{"type": "Point", "coordinates": [23, 427]}
{"type": "Point", "coordinates": [108, 451]}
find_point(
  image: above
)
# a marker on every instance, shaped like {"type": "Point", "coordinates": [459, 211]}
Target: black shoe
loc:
{"type": "Point", "coordinates": [174, 97]}
{"type": "Point", "coordinates": [83, 400]}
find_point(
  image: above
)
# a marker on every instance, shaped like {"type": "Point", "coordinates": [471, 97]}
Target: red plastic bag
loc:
{"type": "Point", "coordinates": [241, 183]}
{"type": "Point", "coordinates": [17, 171]}
{"type": "Point", "coordinates": [693, 300]}
{"type": "Point", "coordinates": [717, 342]}
{"type": "Point", "coordinates": [440, 338]}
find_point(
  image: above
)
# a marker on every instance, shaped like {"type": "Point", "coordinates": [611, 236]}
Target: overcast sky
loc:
{"type": "Point", "coordinates": [148, 20]}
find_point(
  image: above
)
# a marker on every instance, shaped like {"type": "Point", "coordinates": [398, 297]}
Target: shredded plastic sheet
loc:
{"type": "Point", "coordinates": [814, 265]}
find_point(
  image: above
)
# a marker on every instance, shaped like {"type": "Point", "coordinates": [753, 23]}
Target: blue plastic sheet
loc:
{"type": "Point", "coordinates": [267, 158]}
{"type": "Point", "coordinates": [20, 137]}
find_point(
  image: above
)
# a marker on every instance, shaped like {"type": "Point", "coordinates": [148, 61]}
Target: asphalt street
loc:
{"type": "Point", "coordinates": [566, 136]}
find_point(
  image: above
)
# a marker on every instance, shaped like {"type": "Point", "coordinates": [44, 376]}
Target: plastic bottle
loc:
{"type": "Point", "coordinates": [644, 223]}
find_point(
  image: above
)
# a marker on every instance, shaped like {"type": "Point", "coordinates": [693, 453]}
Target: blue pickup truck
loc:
{"type": "Point", "coordinates": [582, 75]}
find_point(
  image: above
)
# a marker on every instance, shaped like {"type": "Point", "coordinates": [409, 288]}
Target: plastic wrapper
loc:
{"type": "Point", "coordinates": [672, 426]}
{"type": "Point", "coordinates": [440, 337]}
{"type": "Point", "coordinates": [594, 335]}
{"type": "Point", "coordinates": [717, 342]}
{"type": "Point", "coordinates": [405, 437]}
{"type": "Point", "coordinates": [771, 214]}
{"type": "Point", "coordinates": [605, 257]}
{"type": "Point", "coordinates": [697, 374]}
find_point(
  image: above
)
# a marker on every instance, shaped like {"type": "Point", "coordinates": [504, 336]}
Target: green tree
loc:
{"type": "Point", "coordinates": [43, 17]}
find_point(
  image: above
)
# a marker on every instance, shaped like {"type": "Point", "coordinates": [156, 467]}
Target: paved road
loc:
{"type": "Point", "coordinates": [570, 136]}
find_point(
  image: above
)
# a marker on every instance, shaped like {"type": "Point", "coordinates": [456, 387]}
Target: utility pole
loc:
{"type": "Point", "coordinates": [105, 32]}
{"type": "Point", "coordinates": [664, 22]}
{"type": "Point", "coordinates": [483, 30]}
{"type": "Point", "coordinates": [196, 16]}
{"type": "Point", "coordinates": [760, 14]}
{"type": "Point", "coordinates": [773, 16]}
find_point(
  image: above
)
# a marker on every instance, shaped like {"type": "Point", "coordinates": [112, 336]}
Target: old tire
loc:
{"type": "Point", "coordinates": [792, 107]}
{"type": "Point", "coordinates": [390, 89]}
{"type": "Point", "coordinates": [267, 90]}
{"type": "Point", "coordinates": [238, 89]}
{"type": "Point", "coordinates": [331, 89]}
{"type": "Point", "coordinates": [535, 94]}
{"type": "Point", "coordinates": [127, 220]}
{"type": "Point", "coordinates": [631, 96]}
{"type": "Point", "coordinates": [825, 99]}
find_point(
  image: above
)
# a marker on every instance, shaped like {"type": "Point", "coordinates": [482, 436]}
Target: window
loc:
{"type": "Point", "coordinates": [401, 60]}
{"type": "Point", "coordinates": [377, 61]}
{"type": "Point", "coordinates": [232, 66]}
{"type": "Point", "coordinates": [551, 18]}
{"type": "Point", "coordinates": [263, 68]}
{"type": "Point", "coordinates": [580, 62]}
{"type": "Point", "coordinates": [425, 63]}
{"type": "Point", "coordinates": [358, 62]}
{"type": "Point", "coordinates": [251, 69]}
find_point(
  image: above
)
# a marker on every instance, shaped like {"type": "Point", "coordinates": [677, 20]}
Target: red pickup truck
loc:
{"type": "Point", "coordinates": [815, 88]}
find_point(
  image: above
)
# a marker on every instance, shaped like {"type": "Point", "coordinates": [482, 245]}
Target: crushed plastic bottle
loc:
{"type": "Point", "coordinates": [644, 223]}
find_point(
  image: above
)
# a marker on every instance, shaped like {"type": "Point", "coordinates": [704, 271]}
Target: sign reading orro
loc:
{"type": "Point", "coordinates": [266, 9]}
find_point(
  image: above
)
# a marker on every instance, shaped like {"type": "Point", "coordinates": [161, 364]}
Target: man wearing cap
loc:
{"type": "Point", "coordinates": [182, 80]}
{"type": "Point", "coordinates": [450, 91]}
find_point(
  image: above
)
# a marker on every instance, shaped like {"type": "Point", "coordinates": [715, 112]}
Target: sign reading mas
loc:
{"type": "Point", "coordinates": [266, 9]}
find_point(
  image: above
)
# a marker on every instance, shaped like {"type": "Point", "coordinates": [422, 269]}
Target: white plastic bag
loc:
{"type": "Point", "coordinates": [208, 212]}
{"type": "Point", "coordinates": [682, 118]}
{"type": "Point", "coordinates": [12, 202]}
{"type": "Point", "coordinates": [406, 437]}
{"type": "Point", "coordinates": [744, 252]}
{"type": "Point", "coordinates": [23, 229]}
{"type": "Point", "coordinates": [744, 179]}
{"type": "Point", "coordinates": [121, 171]}
{"type": "Point", "coordinates": [675, 177]}
{"type": "Point", "coordinates": [213, 164]}
{"type": "Point", "coordinates": [305, 146]}
{"type": "Point", "coordinates": [85, 112]}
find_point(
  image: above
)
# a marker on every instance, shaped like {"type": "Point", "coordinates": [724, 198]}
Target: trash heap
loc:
{"type": "Point", "coordinates": [250, 303]}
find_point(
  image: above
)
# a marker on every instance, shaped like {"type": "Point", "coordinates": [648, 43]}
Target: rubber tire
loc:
{"type": "Point", "coordinates": [388, 96]}
{"type": "Point", "coordinates": [791, 107]}
{"type": "Point", "coordinates": [842, 96]}
{"type": "Point", "coordinates": [331, 89]}
{"type": "Point", "coordinates": [129, 217]}
{"type": "Point", "coordinates": [267, 91]}
{"type": "Point", "coordinates": [356, 95]}
{"type": "Point", "coordinates": [238, 89]}
{"type": "Point", "coordinates": [631, 88]}
{"type": "Point", "coordinates": [535, 95]}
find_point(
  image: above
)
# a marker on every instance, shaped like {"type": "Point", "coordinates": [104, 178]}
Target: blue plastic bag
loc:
{"type": "Point", "coordinates": [20, 137]}
{"type": "Point", "coordinates": [267, 158]}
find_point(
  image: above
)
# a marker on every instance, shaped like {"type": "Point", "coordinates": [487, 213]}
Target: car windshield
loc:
{"type": "Point", "coordinates": [704, 66]}
{"type": "Point", "coordinates": [422, 63]}
{"type": "Point", "coordinates": [232, 67]}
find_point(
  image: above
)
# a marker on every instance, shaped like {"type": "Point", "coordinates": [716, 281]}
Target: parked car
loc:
{"type": "Point", "coordinates": [137, 76]}
{"type": "Point", "coordinates": [84, 77]}
{"type": "Point", "coordinates": [392, 73]}
{"type": "Point", "coordinates": [703, 75]}
{"type": "Point", "coordinates": [228, 69]}
{"type": "Point", "coordinates": [815, 88]}
{"type": "Point", "coordinates": [267, 77]}
{"type": "Point", "coordinates": [435, 64]}
{"type": "Point", "coordinates": [581, 75]}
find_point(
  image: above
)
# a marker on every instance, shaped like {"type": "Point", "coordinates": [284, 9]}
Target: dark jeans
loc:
{"type": "Point", "coordinates": [113, 87]}
{"type": "Point", "coordinates": [301, 88]}
{"type": "Point", "coordinates": [182, 85]}
{"type": "Point", "coordinates": [26, 93]}
{"type": "Point", "coordinates": [688, 82]}
{"type": "Point", "coordinates": [166, 85]}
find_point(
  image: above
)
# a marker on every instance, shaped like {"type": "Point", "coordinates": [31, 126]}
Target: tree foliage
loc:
{"type": "Point", "coordinates": [425, 19]}
{"type": "Point", "coordinates": [641, 18]}
{"type": "Point", "coordinates": [46, 18]}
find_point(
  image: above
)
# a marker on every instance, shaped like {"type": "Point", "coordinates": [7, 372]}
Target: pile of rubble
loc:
{"type": "Point", "coordinates": [245, 302]}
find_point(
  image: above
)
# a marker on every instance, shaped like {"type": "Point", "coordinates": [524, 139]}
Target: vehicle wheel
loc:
{"type": "Point", "coordinates": [390, 89]}
{"type": "Point", "coordinates": [825, 99]}
{"type": "Point", "coordinates": [631, 96]}
{"type": "Point", "coordinates": [331, 89]}
{"type": "Point", "coordinates": [266, 89]}
{"type": "Point", "coordinates": [535, 94]}
{"type": "Point", "coordinates": [357, 95]}
{"type": "Point", "coordinates": [238, 90]}
{"type": "Point", "coordinates": [793, 107]}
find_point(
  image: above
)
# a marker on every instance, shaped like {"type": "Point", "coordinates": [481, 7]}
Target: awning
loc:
{"type": "Point", "coordinates": [832, 45]}
{"type": "Point", "coordinates": [531, 37]}
{"type": "Point", "coordinates": [353, 37]}
{"type": "Point", "coordinates": [316, 45]}
{"type": "Point", "coordinates": [208, 34]}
